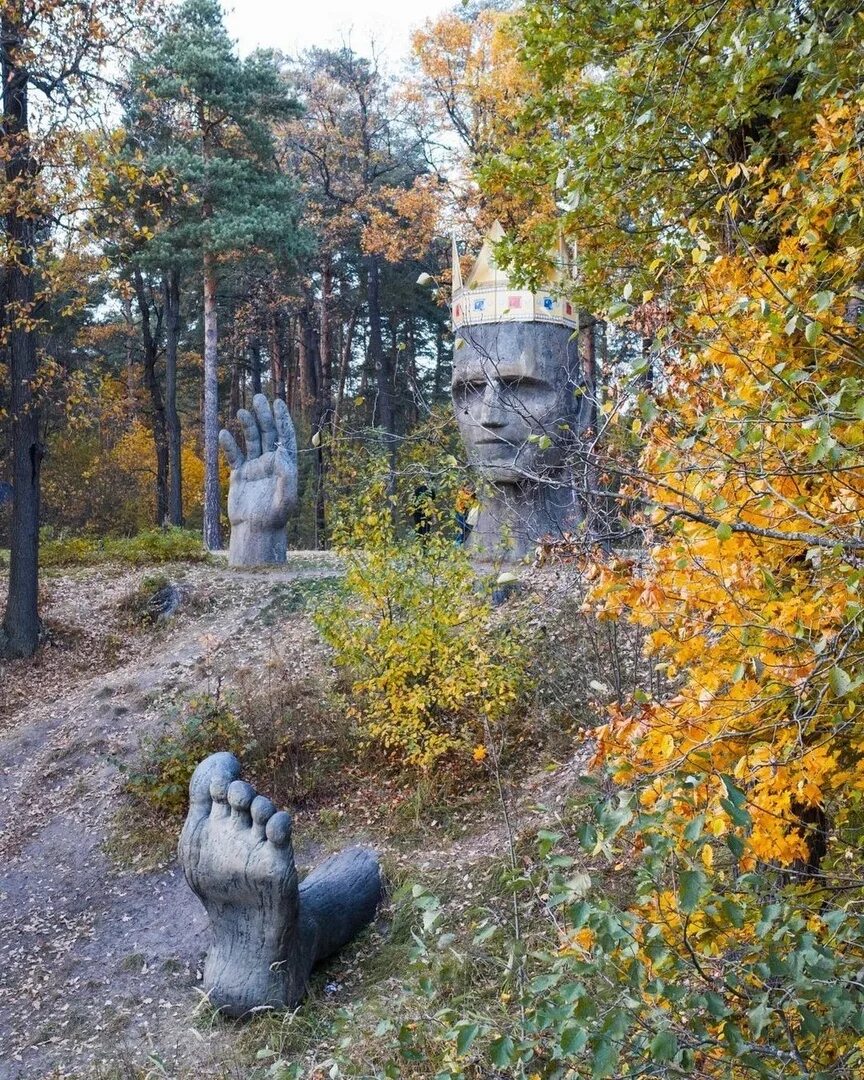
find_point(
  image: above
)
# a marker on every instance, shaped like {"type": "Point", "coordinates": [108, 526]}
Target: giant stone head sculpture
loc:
{"type": "Point", "coordinates": [517, 394]}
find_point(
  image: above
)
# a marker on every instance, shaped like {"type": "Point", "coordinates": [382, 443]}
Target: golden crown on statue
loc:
{"type": "Point", "coordinates": [486, 295]}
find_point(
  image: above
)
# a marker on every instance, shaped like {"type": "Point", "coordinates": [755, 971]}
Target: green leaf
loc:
{"type": "Point", "coordinates": [759, 1017]}
{"type": "Point", "coordinates": [733, 912]}
{"type": "Point", "coordinates": [737, 813]}
{"type": "Point", "coordinates": [810, 1022]}
{"type": "Point", "coordinates": [573, 1040]}
{"type": "Point", "coordinates": [691, 886]}
{"type": "Point", "coordinates": [664, 1046]}
{"type": "Point", "coordinates": [724, 531]}
{"type": "Point", "coordinates": [823, 300]}
{"type": "Point", "coordinates": [501, 1052]}
{"type": "Point", "coordinates": [735, 845]}
{"type": "Point", "coordinates": [466, 1035]}
{"type": "Point", "coordinates": [733, 792]}
{"type": "Point", "coordinates": [485, 933]}
{"type": "Point", "coordinates": [814, 329]}
{"type": "Point", "coordinates": [839, 680]}
{"type": "Point", "coordinates": [605, 1059]}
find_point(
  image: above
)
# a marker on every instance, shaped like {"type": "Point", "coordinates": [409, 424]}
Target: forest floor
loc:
{"type": "Point", "coordinates": [101, 941]}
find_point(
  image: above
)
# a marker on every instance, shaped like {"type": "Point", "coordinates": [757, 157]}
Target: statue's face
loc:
{"type": "Point", "coordinates": [511, 382]}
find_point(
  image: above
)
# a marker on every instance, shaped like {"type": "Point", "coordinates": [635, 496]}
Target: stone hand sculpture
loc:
{"type": "Point", "coordinates": [268, 931]}
{"type": "Point", "coordinates": [263, 487]}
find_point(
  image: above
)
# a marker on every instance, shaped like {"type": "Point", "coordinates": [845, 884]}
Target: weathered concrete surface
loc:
{"type": "Point", "coordinates": [263, 484]}
{"type": "Point", "coordinates": [267, 932]}
{"type": "Point", "coordinates": [517, 397]}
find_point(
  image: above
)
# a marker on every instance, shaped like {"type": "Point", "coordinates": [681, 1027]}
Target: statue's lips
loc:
{"type": "Point", "coordinates": [497, 447]}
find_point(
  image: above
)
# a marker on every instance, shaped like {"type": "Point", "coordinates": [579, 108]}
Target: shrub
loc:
{"type": "Point", "coordinates": [734, 982]}
{"type": "Point", "coordinates": [429, 671]}
{"type": "Point", "coordinates": [148, 547]}
{"type": "Point", "coordinates": [208, 724]}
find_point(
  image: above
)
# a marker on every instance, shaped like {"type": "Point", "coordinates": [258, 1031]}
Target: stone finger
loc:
{"type": "Point", "coordinates": [250, 433]}
{"type": "Point", "coordinates": [231, 449]}
{"type": "Point", "coordinates": [286, 428]}
{"type": "Point", "coordinates": [265, 422]}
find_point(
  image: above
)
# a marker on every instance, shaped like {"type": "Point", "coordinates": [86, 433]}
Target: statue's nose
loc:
{"type": "Point", "coordinates": [493, 411]}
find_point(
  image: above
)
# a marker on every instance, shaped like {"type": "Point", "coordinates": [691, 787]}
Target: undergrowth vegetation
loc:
{"type": "Point", "coordinates": [206, 724]}
{"type": "Point", "coordinates": [431, 673]}
{"type": "Point", "coordinates": [150, 546]}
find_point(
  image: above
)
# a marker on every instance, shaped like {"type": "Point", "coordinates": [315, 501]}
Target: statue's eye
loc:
{"type": "Point", "coordinates": [470, 389]}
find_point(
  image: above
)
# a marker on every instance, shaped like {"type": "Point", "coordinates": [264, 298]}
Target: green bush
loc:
{"type": "Point", "coordinates": [431, 673]}
{"type": "Point", "coordinates": [148, 547]}
{"type": "Point", "coordinates": [208, 724]}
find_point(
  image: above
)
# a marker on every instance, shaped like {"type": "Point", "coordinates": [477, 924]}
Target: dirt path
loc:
{"type": "Point", "coordinates": [100, 964]}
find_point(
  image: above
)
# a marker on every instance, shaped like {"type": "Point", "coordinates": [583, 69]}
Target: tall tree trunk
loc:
{"type": "Point", "coordinates": [344, 364]}
{"type": "Point", "coordinates": [588, 357]}
{"type": "Point", "coordinates": [171, 291]}
{"type": "Point", "coordinates": [212, 529]}
{"type": "Point", "coordinates": [417, 397]}
{"type": "Point", "coordinates": [210, 405]}
{"type": "Point", "coordinates": [378, 359]}
{"type": "Point", "coordinates": [290, 360]}
{"type": "Point", "coordinates": [325, 389]}
{"type": "Point", "coordinates": [277, 356]}
{"type": "Point", "coordinates": [380, 362]}
{"type": "Point", "coordinates": [255, 365]}
{"type": "Point", "coordinates": [131, 399]}
{"type": "Point", "coordinates": [324, 403]}
{"type": "Point", "coordinates": [439, 361]}
{"type": "Point", "coordinates": [309, 365]}
{"type": "Point", "coordinates": [648, 361]}
{"type": "Point", "coordinates": [157, 405]}
{"type": "Point", "coordinates": [20, 635]}
{"type": "Point", "coordinates": [237, 376]}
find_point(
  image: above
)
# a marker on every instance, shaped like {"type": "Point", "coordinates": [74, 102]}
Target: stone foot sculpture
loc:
{"type": "Point", "coordinates": [268, 932]}
{"type": "Point", "coordinates": [263, 486]}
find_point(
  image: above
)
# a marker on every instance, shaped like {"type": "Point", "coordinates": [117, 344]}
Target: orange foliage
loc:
{"type": "Point", "coordinates": [754, 480]}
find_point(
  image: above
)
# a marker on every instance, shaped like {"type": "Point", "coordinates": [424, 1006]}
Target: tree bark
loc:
{"type": "Point", "coordinates": [131, 396]}
{"type": "Point", "coordinates": [157, 404]}
{"type": "Point", "coordinates": [309, 365]}
{"type": "Point", "coordinates": [325, 388]}
{"type": "Point", "coordinates": [212, 528]}
{"type": "Point", "coordinates": [588, 357]}
{"type": "Point", "coordinates": [378, 359]}
{"type": "Point", "coordinates": [255, 365]}
{"type": "Point", "coordinates": [381, 362]}
{"type": "Point", "coordinates": [171, 289]}
{"type": "Point", "coordinates": [210, 406]}
{"type": "Point", "coordinates": [21, 626]}
{"type": "Point", "coordinates": [238, 372]}
{"type": "Point", "coordinates": [277, 356]}
{"type": "Point", "coordinates": [290, 359]}
{"type": "Point", "coordinates": [344, 364]}
{"type": "Point", "coordinates": [439, 361]}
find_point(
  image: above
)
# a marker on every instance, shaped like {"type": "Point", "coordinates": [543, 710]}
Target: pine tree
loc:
{"type": "Point", "coordinates": [219, 113]}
